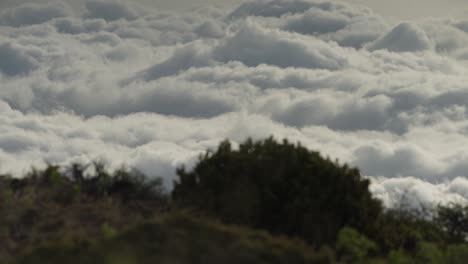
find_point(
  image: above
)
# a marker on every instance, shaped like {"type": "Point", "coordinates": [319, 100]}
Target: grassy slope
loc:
{"type": "Point", "coordinates": [49, 206]}
{"type": "Point", "coordinates": [180, 239]}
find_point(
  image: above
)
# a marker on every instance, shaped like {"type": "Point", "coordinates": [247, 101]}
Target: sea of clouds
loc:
{"type": "Point", "coordinates": [152, 89]}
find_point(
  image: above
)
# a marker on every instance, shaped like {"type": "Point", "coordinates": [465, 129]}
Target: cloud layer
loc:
{"type": "Point", "coordinates": [153, 89]}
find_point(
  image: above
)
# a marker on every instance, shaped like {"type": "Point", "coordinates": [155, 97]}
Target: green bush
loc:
{"type": "Point", "coordinates": [352, 247]}
{"type": "Point", "coordinates": [181, 239]}
{"type": "Point", "coordinates": [453, 218]}
{"type": "Point", "coordinates": [429, 253]}
{"type": "Point", "coordinates": [57, 204]}
{"type": "Point", "coordinates": [405, 229]}
{"type": "Point", "coordinates": [399, 257]}
{"type": "Point", "coordinates": [280, 187]}
{"type": "Point", "coordinates": [457, 254]}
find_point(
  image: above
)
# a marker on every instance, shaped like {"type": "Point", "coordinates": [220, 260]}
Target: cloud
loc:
{"type": "Point", "coordinates": [415, 193]}
{"type": "Point", "coordinates": [316, 21]}
{"type": "Point", "coordinates": [210, 29]}
{"type": "Point", "coordinates": [276, 8]}
{"type": "Point", "coordinates": [405, 37]}
{"type": "Point", "coordinates": [71, 25]}
{"type": "Point", "coordinates": [103, 38]}
{"type": "Point", "coordinates": [446, 37]}
{"type": "Point", "coordinates": [110, 10]}
{"type": "Point", "coordinates": [253, 45]}
{"type": "Point", "coordinates": [16, 61]}
{"type": "Point", "coordinates": [122, 53]}
{"type": "Point", "coordinates": [335, 110]}
{"type": "Point", "coordinates": [154, 143]}
{"type": "Point", "coordinates": [34, 13]}
{"type": "Point", "coordinates": [182, 59]}
{"type": "Point", "coordinates": [348, 25]}
{"type": "Point", "coordinates": [154, 89]}
{"type": "Point", "coordinates": [402, 161]}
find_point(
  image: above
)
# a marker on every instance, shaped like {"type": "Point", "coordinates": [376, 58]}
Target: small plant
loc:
{"type": "Point", "coordinates": [108, 231]}
{"type": "Point", "coordinates": [353, 247]}
{"type": "Point", "coordinates": [399, 257]}
{"type": "Point", "coordinates": [457, 254]}
{"type": "Point", "coordinates": [429, 253]}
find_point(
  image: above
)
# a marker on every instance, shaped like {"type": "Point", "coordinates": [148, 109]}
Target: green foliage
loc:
{"type": "Point", "coordinates": [181, 239]}
{"type": "Point", "coordinates": [453, 218]}
{"type": "Point", "coordinates": [405, 229]}
{"type": "Point", "coordinates": [86, 214]}
{"type": "Point", "coordinates": [457, 254]}
{"type": "Point", "coordinates": [399, 257]}
{"type": "Point", "coordinates": [429, 253]}
{"type": "Point", "coordinates": [281, 187]}
{"type": "Point", "coordinates": [353, 247]}
{"type": "Point", "coordinates": [67, 205]}
{"type": "Point", "coordinates": [108, 231]}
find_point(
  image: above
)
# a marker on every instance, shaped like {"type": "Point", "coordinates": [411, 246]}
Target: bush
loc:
{"type": "Point", "coordinates": [453, 219]}
{"type": "Point", "coordinates": [399, 257]}
{"type": "Point", "coordinates": [405, 229]}
{"type": "Point", "coordinates": [429, 253]}
{"type": "Point", "coordinates": [457, 254]}
{"type": "Point", "coordinates": [280, 187]}
{"type": "Point", "coordinates": [179, 238]}
{"type": "Point", "coordinates": [353, 247]}
{"type": "Point", "coordinates": [65, 205]}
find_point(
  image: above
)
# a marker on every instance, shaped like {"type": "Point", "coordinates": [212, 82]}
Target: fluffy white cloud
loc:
{"type": "Point", "coordinates": [405, 37]}
{"type": "Point", "coordinates": [110, 10]}
{"type": "Point", "coordinates": [15, 60]}
{"type": "Point", "coordinates": [415, 193]}
{"type": "Point", "coordinates": [253, 45]}
{"type": "Point", "coordinates": [33, 13]}
{"type": "Point", "coordinates": [150, 89]}
{"type": "Point", "coordinates": [317, 21]}
{"type": "Point", "coordinates": [276, 8]}
{"type": "Point", "coordinates": [341, 23]}
{"type": "Point", "coordinates": [182, 59]}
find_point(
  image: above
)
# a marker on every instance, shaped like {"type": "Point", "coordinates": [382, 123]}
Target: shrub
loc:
{"type": "Point", "coordinates": [457, 254]}
{"type": "Point", "coordinates": [353, 247]}
{"type": "Point", "coordinates": [429, 253]}
{"type": "Point", "coordinates": [181, 239]}
{"type": "Point", "coordinates": [453, 219]}
{"type": "Point", "coordinates": [405, 229]}
{"type": "Point", "coordinates": [65, 205]}
{"type": "Point", "coordinates": [399, 257]}
{"type": "Point", "coordinates": [281, 187]}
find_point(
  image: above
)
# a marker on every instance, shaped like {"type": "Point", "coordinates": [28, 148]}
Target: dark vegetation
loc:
{"type": "Point", "coordinates": [66, 206]}
{"type": "Point", "coordinates": [180, 238]}
{"type": "Point", "coordinates": [282, 188]}
{"type": "Point", "coordinates": [263, 202]}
